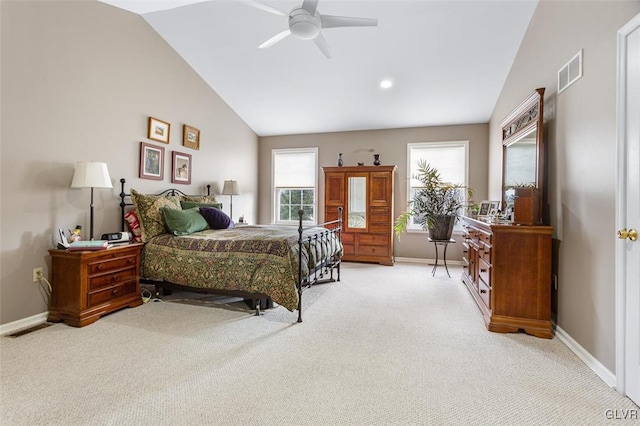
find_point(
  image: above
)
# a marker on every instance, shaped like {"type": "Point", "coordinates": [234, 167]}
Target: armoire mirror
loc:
{"type": "Point", "coordinates": [523, 151]}
{"type": "Point", "coordinates": [357, 210]}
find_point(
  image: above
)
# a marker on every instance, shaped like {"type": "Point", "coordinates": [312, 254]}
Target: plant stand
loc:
{"type": "Point", "coordinates": [444, 243]}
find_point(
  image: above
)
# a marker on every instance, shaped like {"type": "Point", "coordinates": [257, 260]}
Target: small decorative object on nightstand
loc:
{"type": "Point", "coordinates": [89, 284]}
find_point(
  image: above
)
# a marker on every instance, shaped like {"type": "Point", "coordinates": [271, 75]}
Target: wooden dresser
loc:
{"type": "Point", "coordinates": [507, 269]}
{"type": "Point", "coordinates": [366, 195]}
{"type": "Point", "coordinates": [89, 284]}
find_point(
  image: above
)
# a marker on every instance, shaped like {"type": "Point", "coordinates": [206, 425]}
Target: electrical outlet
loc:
{"type": "Point", "coordinates": [37, 274]}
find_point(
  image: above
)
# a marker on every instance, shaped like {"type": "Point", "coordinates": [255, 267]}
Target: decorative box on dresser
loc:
{"type": "Point", "coordinates": [366, 195]}
{"type": "Point", "coordinates": [89, 284]}
{"type": "Point", "coordinates": [507, 269]}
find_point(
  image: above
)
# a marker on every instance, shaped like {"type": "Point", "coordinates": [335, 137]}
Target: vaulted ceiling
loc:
{"type": "Point", "coordinates": [447, 60]}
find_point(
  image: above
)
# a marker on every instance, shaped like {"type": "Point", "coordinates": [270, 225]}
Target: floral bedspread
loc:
{"type": "Point", "coordinates": [254, 259]}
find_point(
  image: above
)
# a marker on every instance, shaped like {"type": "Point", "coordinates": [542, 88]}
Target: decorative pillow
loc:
{"type": "Point", "coordinates": [216, 218]}
{"type": "Point", "coordinates": [191, 204]}
{"type": "Point", "coordinates": [184, 222]}
{"type": "Point", "coordinates": [148, 209]}
{"type": "Point", "coordinates": [134, 226]}
{"type": "Point", "coordinates": [208, 199]}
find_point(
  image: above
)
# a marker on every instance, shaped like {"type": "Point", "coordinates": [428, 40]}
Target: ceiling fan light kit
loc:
{"type": "Point", "coordinates": [305, 23]}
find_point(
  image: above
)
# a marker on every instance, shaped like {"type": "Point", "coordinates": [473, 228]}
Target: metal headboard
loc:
{"type": "Point", "coordinates": [166, 193]}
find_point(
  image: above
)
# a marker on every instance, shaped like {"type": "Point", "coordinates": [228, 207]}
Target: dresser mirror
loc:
{"type": "Point", "coordinates": [523, 151]}
{"type": "Point", "coordinates": [357, 206]}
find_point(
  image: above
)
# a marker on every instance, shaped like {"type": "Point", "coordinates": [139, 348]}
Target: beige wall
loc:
{"type": "Point", "coordinates": [581, 133]}
{"type": "Point", "coordinates": [392, 146]}
{"type": "Point", "coordinates": [79, 79]}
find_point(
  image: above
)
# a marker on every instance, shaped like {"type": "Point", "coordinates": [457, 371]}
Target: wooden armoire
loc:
{"type": "Point", "coordinates": [366, 195]}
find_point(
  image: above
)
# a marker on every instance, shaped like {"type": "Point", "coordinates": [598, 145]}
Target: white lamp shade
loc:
{"type": "Point", "coordinates": [91, 174]}
{"type": "Point", "coordinates": [230, 188]}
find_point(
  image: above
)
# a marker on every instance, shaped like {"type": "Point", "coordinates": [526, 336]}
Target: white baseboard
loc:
{"type": "Point", "coordinates": [23, 323]}
{"type": "Point", "coordinates": [607, 376]}
{"type": "Point", "coordinates": [427, 261]}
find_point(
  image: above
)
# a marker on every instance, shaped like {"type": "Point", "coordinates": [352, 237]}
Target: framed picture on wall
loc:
{"type": "Point", "coordinates": [190, 137]}
{"type": "Point", "coordinates": [159, 130]}
{"type": "Point", "coordinates": [151, 161]}
{"type": "Point", "coordinates": [181, 168]}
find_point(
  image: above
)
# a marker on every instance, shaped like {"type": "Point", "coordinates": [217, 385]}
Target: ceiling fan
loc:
{"type": "Point", "coordinates": [306, 23]}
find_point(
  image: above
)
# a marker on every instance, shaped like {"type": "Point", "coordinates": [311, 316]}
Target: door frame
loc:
{"type": "Point", "coordinates": [621, 203]}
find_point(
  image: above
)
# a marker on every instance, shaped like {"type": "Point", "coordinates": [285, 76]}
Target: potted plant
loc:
{"type": "Point", "coordinates": [436, 205]}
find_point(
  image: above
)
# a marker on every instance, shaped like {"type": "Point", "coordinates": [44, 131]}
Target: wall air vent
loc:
{"type": "Point", "coordinates": [571, 72]}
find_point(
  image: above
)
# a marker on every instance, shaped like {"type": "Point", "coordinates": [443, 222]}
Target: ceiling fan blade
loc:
{"type": "Point", "coordinates": [310, 6]}
{"type": "Point", "coordinates": [263, 7]}
{"type": "Point", "coordinates": [323, 45]}
{"type": "Point", "coordinates": [329, 21]}
{"type": "Point", "coordinates": [273, 40]}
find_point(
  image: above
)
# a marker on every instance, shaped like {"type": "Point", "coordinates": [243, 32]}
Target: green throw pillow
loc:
{"type": "Point", "coordinates": [184, 222]}
{"type": "Point", "coordinates": [191, 204]}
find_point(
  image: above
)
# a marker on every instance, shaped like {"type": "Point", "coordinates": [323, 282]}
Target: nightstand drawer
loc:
{"type": "Point", "coordinates": [112, 264]}
{"type": "Point", "coordinates": [108, 294]}
{"type": "Point", "coordinates": [111, 279]}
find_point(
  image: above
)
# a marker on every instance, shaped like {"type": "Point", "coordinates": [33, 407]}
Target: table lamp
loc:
{"type": "Point", "coordinates": [91, 174]}
{"type": "Point", "coordinates": [230, 188]}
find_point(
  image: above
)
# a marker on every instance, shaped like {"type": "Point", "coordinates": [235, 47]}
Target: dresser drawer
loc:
{"type": "Point", "coordinates": [485, 293]}
{"type": "Point", "coordinates": [111, 279]}
{"type": "Point", "coordinates": [348, 238]}
{"type": "Point", "coordinates": [484, 271]}
{"type": "Point", "coordinates": [348, 249]}
{"type": "Point", "coordinates": [106, 265]}
{"type": "Point", "coordinates": [485, 252]}
{"type": "Point", "coordinates": [373, 251]}
{"type": "Point", "coordinates": [373, 240]}
{"type": "Point", "coordinates": [380, 215]}
{"type": "Point", "coordinates": [110, 293]}
{"type": "Point", "coordinates": [484, 237]}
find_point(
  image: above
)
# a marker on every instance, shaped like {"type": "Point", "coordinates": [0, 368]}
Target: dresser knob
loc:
{"type": "Point", "coordinates": [115, 291]}
{"type": "Point", "coordinates": [99, 267]}
{"type": "Point", "coordinates": [114, 278]}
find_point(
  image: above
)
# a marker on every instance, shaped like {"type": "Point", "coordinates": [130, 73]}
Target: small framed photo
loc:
{"type": "Point", "coordinates": [181, 168]}
{"type": "Point", "coordinates": [191, 137]}
{"type": "Point", "coordinates": [151, 161]}
{"type": "Point", "coordinates": [485, 207]}
{"type": "Point", "coordinates": [495, 207]}
{"type": "Point", "coordinates": [159, 130]}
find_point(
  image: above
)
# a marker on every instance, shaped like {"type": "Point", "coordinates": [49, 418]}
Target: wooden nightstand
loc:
{"type": "Point", "coordinates": [89, 284]}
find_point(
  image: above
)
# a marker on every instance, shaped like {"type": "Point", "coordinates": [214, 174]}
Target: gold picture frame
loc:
{"type": "Point", "coordinates": [190, 137]}
{"type": "Point", "coordinates": [159, 130]}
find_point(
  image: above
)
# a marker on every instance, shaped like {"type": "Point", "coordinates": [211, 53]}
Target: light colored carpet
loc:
{"type": "Point", "coordinates": [387, 345]}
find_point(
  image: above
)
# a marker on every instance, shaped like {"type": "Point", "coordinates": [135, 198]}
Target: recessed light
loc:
{"type": "Point", "coordinates": [385, 84]}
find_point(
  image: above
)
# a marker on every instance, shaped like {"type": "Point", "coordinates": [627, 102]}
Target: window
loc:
{"type": "Point", "coordinates": [294, 184]}
{"type": "Point", "coordinates": [451, 160]}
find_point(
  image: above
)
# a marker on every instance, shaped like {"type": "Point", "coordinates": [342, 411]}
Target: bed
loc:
{"type": "Point", "coordinates": [262, 264]}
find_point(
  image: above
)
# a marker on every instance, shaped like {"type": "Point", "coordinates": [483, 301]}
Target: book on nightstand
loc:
{"type": "Point", "coordinates": [89, 245]}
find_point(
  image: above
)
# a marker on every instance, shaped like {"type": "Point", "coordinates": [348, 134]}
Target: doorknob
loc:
{"type": "Point", "coordinates": [631, 234]}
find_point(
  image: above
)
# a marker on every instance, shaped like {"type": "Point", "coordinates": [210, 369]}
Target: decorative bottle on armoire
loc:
{"type": "Point", "coordinates": [340, 160]}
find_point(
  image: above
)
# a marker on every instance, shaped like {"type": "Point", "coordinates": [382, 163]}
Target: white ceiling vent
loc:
{"type": "Point", "coordinates": [571, 72]}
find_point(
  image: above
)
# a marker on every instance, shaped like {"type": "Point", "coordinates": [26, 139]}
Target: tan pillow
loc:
{"type": "Point", "coordinates": [149, 214]}
{"type": "Point", "coordinates": [207, 199]}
